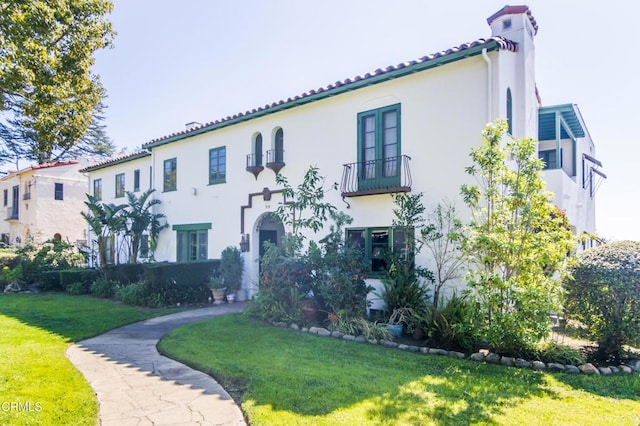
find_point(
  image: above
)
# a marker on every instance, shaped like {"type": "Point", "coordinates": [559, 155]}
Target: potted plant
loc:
{"type": "Point", "coordinates": [398, 319]}
{"type": "Point", "coordinates": [218, 289]}
{"type": "Point", "coordinates": [231, 268]}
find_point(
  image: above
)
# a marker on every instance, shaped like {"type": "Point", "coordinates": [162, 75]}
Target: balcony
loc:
{"type": "Point", "coordinates": [275, 159]}
{"type": "Point", "coordinates": [254, 164]}
{"type": "Point", "coordinates": [12, 213]}
{"type": "Point", "coordinates": [26, 196]}
{"type": "Point", "coordinates": [382, 176]}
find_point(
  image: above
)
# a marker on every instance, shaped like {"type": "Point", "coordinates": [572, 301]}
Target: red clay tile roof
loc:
{"type": "Point", "coordinates": [514, 10]}
{"type": "Point", "coordinates": [121, 159]}
{"type": "Point", "coordinates": [338, 87]}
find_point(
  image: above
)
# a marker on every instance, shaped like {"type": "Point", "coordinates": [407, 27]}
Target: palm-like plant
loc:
{"type": "Point", "coordinates": [104, 220]}
{"type": "Point", "coordinates": [140, 218]}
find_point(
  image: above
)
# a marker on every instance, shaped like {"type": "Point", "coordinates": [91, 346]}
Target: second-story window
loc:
{"type": "Point", "coordinates": [120, 185]}
{"type": "Point", "coordinates": [58, 191]}
{"type": "Point", "coordinates": [170, 180]}
{"type": "Point", "coordinates": [217, 165]}
{"type": "Point", "coordinates": [279, 146]}
{"type": "Point", "coordinates": [97, 189]}
{"type": "Point", "coordinates": [257, 150]}
{"type": "Point", "coordinates": [5, 198]}
{"type": "Point", "coordinates": [136, 180]}
{"type": "Point", "coordinates": [509, 112]}
{"type": "Point", "coordinates": [379, 144]}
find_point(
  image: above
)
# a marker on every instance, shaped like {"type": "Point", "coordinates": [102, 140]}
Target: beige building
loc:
{"type": "Point", "coordinates": [43, 202]}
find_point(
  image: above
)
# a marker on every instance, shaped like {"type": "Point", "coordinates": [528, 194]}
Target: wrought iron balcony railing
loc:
{"type": "Point", "coordinates": [12, 213]}
{"type": "Point", "coordinates": [382, 176]}
{"type": "Point", "coordinates": [275, 159]}
{"type": "Point", "coordinates": [254, 164]}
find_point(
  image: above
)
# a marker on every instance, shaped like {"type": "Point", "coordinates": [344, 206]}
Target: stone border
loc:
{"type": "Point", "coordinates": [482, 356]}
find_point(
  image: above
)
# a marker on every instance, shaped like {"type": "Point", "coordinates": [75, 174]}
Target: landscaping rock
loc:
{"type": "Point", "coordinates": [506, 360]}
{"type": "Point", "coordinates": [304, 329]}
{"type": "Point", "coordinates": [349, 337]}
{"type": "Point", "coordinates": [635, 365]}
{"type": "Point", "coordinates": [478, 356]}
{"type": "Point", "coordinates": [554, 366]}
{"type": "Point", "coordinates": [321, 331]}
{"type": "Point", "coordinates": [614, 369]}
{"type": "Point", "coordinates": [454, 354]}
{"type": "Point", "coordinates": [605, 370]}
{"type": "Point", "coordinates": [626, 369]}
{"type": "Point", "coordinates": [572, 369]}
{"type": "Point", "coordinates": [337, 335]}
{"type": "Point", "coordinates": [403, 347]}
{"type": "Point", "coordinates": [372, 341]}
{"type": "Point", "coordinates": [538, 365]}
{"type": "Point", "coordinates": [294, 326]}
{"type": "Point", "coordinates": [588, 369]}
{"type": "Point", "coordinates": [281, 324]}
{"type": "Point", "coordinates": [360, 339]}
{"type": "Point", "coordinates": [388, 343]}
{"type": "Point", "coordinates": [424, 350]}
{"type": "Point", "coordinates": [414, 348]}
{"type": "Point", "coordinates": [436, 351]}
{"type": "Point", "coordinates": [492, 358]}
{"type": "Point", "coordinates": [522, 363]}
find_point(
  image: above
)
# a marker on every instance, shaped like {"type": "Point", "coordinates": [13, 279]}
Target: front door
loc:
{"type": "Point", "coordinates": [267, 235]}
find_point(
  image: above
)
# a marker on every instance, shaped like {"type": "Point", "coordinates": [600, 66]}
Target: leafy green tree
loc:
{"type": "Point", "coordinates": [516, 241]}
{"type": "Point", "coordinates": [48, 92]}
{"type": "Point", "coordinates": [603, 292]}
{"type": "Point", "coordinates": [140, 218]}
{"type": "Point", "coordinates": [105, 220]}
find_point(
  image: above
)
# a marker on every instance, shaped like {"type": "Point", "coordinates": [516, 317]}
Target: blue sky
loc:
{"type": "Point", "coordinates": [201, 60]}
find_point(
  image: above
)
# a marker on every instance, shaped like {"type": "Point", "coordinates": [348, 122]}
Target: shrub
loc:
{"type": "Point", "coordinates": [77, 288]}
{"type": "Point", "coordinates": [451, 324]}
{"type": "Point", "coordinates": [125, 273]}
{"type": "Point", "coordinates": [603, 292]}
{"type": "Point", "coordinates": [181, 282]}
{"type": "Point", "coordinates": [231, 267]}
{"type": "Point", "coordinates": [52, 255]}
{"type": "Point", "coordinates": [132, 294]}
{"type": "Point", "coordinates": [550, 351]}
{"type": "Point", "coordinates": [104, 288]}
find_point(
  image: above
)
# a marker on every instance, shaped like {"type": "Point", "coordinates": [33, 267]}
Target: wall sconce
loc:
{"type": "Point", "coordinates": [194, 191]}
{"type": "Point", "coordinates": [244, 243]}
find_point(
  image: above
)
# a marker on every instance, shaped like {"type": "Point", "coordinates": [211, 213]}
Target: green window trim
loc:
{"type": "Point", "coordinates": [192, 227]}
{"type": "Point", "coordinates": [97, 189]}
{"type": "Point", "coordinates": [376, 242]}
{"type": "Point", "coordinates": [217, 165]}
{"type": "Point", "coordinates": [136, 180]}
{"type": "Point", "coordinates": [379, 147]}
{"type": "Point", "coordinates": [170, 175]}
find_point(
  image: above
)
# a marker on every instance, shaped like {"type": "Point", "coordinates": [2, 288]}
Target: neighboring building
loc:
{"type": "Point", "coordinates": [408, 127]}
{"type": "Point", "coordinates": [44, 202]}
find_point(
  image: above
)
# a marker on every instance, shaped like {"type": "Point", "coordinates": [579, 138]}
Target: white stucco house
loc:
{"type": "Point", "coordinates": [43, 202]}
{"type": "Point", "coordinates": [404, 128]}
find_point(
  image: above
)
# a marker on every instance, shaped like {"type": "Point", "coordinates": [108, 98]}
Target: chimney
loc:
{"type": "Point", "coordinates": [192, 125]}
{"type": "Point", "coordinates": [510, 20]}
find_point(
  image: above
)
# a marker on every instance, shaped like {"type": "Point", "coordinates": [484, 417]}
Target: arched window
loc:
{"type": "Point", "coordinates": [57, 237]}
{"type": "Point", "coordinates": [257, 150]}
{"type": "Point", "coordinates": [279, 146]}
{"type": "Point", "coordinates": [509, 111]}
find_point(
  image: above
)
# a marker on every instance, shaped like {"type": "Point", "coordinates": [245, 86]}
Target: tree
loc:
{"type": "Point", "coordinates": [441, 236]}
{"type": "Point", "coordinates": [517, 241]}
{"type": "Point", "coordinates": [48, 92]}
{"type": "Point", "coordinates": [139, 218]}
{"type": "Point", "coordinates": [603, 293]}
{"type": "Point", "coordinates": [105, 220]}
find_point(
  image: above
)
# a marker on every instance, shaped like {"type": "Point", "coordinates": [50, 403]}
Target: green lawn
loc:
{"type": "Point", "coordinates": [286, 377]}
{"type": "Point", "coordinates": [38, 384]}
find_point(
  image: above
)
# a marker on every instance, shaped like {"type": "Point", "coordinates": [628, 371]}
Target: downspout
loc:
{"type": "Point", "coordinates": [489, 83]}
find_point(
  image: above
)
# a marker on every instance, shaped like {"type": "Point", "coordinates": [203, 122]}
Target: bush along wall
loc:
{"type": "Point", "coordinates": [126, 273]}
{"type": "Point", "coordinates": [182, 282]}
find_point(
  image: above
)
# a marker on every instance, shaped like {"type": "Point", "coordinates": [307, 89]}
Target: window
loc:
{"type": "Point", "coordinates": [5, 198]}
{"type": "Point", "coordinates": [377, 243]}
{"type": "Point", "coordinates": [379, 147]}
{"type": "Point", "coordinates": [144, 246]}
{"type": "Point", "coordinates": [217, 165]}
{"type": "Point", "coordinates": [109, 249]}
{"type": "Point", "coordinates": [509, 112]}
{"type": "Point", "coordinates": [136, 180]}
{"type": "Point", "coordinates": [120, 185]}
{"type": "Point", "coordinates": [549, 158]}
{"type": "Point", "coordinates": [58, 192]}
{"type": "Point", "coordinates": [193, 240]}
{"type": "Point", "coordinates": [13, 214]}
{"type": "Point", "coordinates": [257, 150]}
{"type": "Point", "coordinates": [279, 146]}
{"type": "Point", "coordinates": [97, 189]}
{"type": "Point", "coordinates": [170, 175]}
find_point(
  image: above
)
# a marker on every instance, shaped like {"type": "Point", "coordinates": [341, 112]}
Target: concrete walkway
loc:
{"type": "Point", "coordinates": [135, 385]}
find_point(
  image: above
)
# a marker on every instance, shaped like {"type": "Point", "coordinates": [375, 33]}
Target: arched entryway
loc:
{"type": "Point", "coordinates": [268, 228]}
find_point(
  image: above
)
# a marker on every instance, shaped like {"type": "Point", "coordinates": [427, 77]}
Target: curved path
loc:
{"type": "Point", "coordinates": [135, 385]}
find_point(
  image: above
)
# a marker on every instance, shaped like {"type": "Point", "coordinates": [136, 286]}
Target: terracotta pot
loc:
{"type": "Point", "coordinates": [218, 295]}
